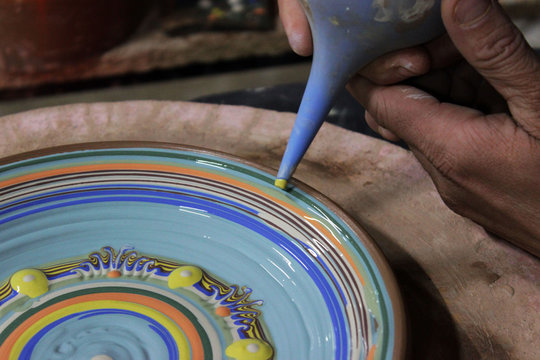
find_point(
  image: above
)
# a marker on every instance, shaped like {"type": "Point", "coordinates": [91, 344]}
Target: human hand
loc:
{"type": "Point", "coordinates": [474, 128]}
{"type": "Point", "coordinates": [390, 68]}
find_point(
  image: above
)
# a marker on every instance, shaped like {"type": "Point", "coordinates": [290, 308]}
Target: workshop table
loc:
{"type": "Point", "coordinates": [467, 294]}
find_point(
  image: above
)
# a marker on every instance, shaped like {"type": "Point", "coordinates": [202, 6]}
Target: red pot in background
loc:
{"type": "Point", "coordinates": [41, 35]}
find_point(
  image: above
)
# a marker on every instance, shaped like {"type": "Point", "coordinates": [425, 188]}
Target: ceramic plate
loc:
{"type": "Point", "coordinates": [139, 251]}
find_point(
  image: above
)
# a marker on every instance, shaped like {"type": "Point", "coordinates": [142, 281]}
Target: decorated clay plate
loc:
{"type": "Point", "coordinates": [148, 251]}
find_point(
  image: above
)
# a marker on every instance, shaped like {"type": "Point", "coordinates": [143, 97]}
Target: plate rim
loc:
{"type": "Point", "coordinates": [374, 251]}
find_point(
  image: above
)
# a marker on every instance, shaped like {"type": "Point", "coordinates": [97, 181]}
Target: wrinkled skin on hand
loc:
{"type": "Point", "coordinates": [468, 106]}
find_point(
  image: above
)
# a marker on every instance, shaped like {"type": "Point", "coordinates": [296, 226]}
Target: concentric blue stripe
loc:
{"type": "Point", "coordinates": [328, 271]}
{"type": "Point", "coordinates": [132, 186]}
{"type": "Point", "coordinates": [311, 267]}
{"type": "Point", "coordinates": [127, 189]}
{"type": "Point", "coordinates": [10, 296]}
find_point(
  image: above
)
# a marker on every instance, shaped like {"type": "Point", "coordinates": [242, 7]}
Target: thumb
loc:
{"type": "Point", "coordinates": [296, 26]}
{"type": "Point", "coordinates": [492, 44]}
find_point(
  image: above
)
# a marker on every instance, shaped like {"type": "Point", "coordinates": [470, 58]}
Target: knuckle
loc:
{"type": "Point", "coordinates": [467, 151]}
{"type": "Point", "coordinates": [445, 160]}
{"type": "Point", "coordinates": [381, 109]}
{"type": "Point", "coordinates": [499, 46]}
{"type": "Point", "coordinates": [452, 167]}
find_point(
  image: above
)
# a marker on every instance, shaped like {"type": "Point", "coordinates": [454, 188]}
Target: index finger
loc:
{"type": "Point", "coordinates": [400, 65]}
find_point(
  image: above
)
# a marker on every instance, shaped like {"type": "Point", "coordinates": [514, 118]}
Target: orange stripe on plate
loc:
{"type": "Point", "coordinates": [371, 353]}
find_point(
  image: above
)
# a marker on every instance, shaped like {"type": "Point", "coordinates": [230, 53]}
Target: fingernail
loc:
{"type": "Point", "coordinates": [295, 41]}
{"type": "Point", "coordinates": [298, 41]}
{"type": "Point", "coordinates": [467, 12]}
{"type": "Point", "coordinates": [407, 69]}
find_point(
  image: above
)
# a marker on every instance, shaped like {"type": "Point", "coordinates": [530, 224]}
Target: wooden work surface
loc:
{"type": "Point", "coordinates": [467, 295]}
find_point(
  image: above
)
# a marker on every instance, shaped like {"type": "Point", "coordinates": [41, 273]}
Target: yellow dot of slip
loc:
{"type": "Point", "coordinates": [249, 349]}
{"type": "Point", "coordinates": [281, 183]}
{"type": "Point", "coordinates": [184, 276]}
{"type": "Point", "coordinates": [30, 282]}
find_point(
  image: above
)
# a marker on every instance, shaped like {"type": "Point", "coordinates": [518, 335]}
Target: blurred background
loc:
{"type": "Point", "coordinates": [55, 52]}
